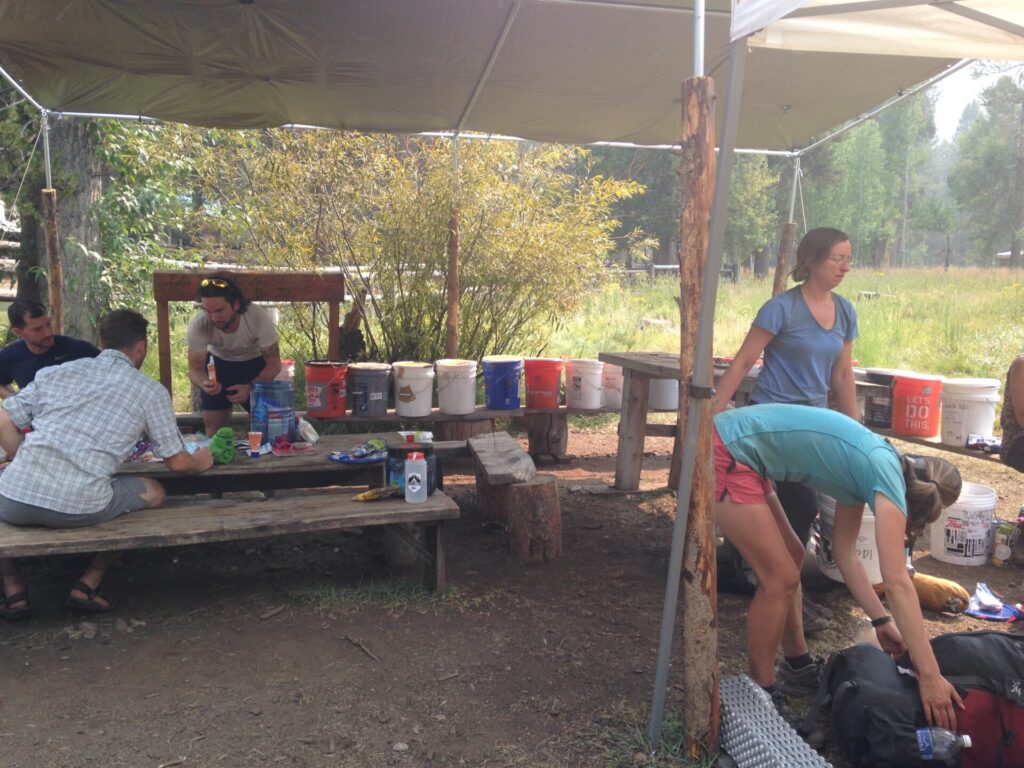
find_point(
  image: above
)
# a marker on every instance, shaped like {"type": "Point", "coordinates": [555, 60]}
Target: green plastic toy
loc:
{"type": "Point", "coordinates": [222, 446]}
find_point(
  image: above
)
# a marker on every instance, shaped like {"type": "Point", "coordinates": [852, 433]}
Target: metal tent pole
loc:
{"type": "Point", "coordinates": [719, 214]}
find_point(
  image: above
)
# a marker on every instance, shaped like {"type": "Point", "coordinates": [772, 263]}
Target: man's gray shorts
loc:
{"type": "Point", "coordinates": [127, 498]}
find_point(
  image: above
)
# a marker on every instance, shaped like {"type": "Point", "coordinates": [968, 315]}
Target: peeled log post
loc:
{"type": "Point", "coordinates": [534, 519]}
{"type": "Point", "coordinates": [54, 270]}
{"type": "Point", "coordinates": [699, 593]}
{"type": "Point", "coordinates": [782, 260]}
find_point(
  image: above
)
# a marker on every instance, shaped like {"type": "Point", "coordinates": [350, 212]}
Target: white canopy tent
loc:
{"type": "Point", "coordinates": [991, 29]}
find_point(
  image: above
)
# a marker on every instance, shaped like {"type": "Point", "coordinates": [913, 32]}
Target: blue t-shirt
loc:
{"type": "Point", "coordinates": [798, 360]}
{"type": "Point", "coordinates": [823, 449]}
{"type": "Point", "coordinates": [20, 364]}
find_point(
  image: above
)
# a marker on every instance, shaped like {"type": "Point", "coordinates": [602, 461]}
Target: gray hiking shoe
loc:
{"type": "Point", "coordinates": [799, 683]}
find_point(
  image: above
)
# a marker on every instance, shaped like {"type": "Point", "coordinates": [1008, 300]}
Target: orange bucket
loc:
{"type": "Point", "coordinates": [325, 389]}
{"type": "Point", "coordinates": [916, 405]}
{"type": "Point", "coordinates": [543, 381]}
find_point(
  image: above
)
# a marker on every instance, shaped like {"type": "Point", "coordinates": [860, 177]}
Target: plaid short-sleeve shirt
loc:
{"type": "Point", "coordinates": [86, 417]}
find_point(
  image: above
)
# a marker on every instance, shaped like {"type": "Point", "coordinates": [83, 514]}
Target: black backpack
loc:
{"type": "Point", "coordinates": [876, 709]}
{"type": "Point", "coordinates": [876, 706]}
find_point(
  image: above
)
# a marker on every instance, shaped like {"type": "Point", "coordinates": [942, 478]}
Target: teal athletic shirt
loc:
{"type": "Point", "coordinates": [826, 450]}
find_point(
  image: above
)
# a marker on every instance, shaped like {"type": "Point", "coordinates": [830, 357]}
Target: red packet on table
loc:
{"type": "Point", "coordinates": [281, 447]}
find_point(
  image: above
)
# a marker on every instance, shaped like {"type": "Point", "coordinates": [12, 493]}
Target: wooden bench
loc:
{"type": "Point", "coordinates": [509, 489]}
{"type": "Point", "coordinates": [189, 520]}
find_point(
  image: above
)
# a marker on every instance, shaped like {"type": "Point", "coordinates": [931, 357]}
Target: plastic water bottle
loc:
{"type": "Point", "coordinates": [939, 744]}
{"type": "Point", "coordinates": [415, 478]}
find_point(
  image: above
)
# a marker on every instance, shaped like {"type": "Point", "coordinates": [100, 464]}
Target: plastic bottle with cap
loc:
{"type": "Point", "coordinates": [940, 745]}
{"type": "Point", "coordinates": [415, 477]}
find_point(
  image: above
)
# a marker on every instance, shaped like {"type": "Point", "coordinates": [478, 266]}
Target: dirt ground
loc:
{"type": "Point", "coordinates": [251, 654]}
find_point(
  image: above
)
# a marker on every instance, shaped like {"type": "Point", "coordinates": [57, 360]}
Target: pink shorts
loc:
{"type": "Point", "coordinates": [741, 483]}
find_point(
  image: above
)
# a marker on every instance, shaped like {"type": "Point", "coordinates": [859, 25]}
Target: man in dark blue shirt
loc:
{"type": "Point", "coordinates": [37, 346]}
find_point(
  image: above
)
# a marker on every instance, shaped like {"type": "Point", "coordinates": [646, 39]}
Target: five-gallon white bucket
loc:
{"type": "Point", "coordinates": [456, 386]}
{"type": "Point", "coordinates": [961, 534]}
{"type": "Point", "coordinates": [866, 547]}
{"type": "Point", "coordinates": [611, 386]}
{"type": "Point", "coordinates": [968, 408]}
{"type": "Point", "coordinates": [583, 384]}
{"type": "Point", "coordinates": [664, 395]}
{"type": "Point", "coordinates": [414, 388]}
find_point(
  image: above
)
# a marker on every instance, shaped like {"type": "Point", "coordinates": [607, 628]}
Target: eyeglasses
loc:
{"type": "Point", "coordinates": [841, 261]}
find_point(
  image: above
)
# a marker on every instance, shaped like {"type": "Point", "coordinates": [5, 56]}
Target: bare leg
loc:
{"type": "Point", "coordinates": [12, 581]}
{"type": "Point", "coordinates": [214, 420]}
{"type": "Point", "coordinates": [94, 575]}
{"type": "Point", "coordinates": [793, 641]}
{"type": "Point", "coordinates": [753, 530]}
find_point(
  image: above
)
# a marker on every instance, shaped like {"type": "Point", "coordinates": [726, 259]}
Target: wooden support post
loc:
{"type": "Point", "coordinates": [782, 260]}
{"type": "Point", "coordinates": [54, 269]}
{"type": "Point", "coordinates": [699, 601]}
{"type": "Point", "coordinates": [434, 572]}
{"type": "Point", "coordinates": [636, 388]}
{"type": "Point", "coordinates": [461, 430]}
{"type": "Point", "coordinates": [163, 342]}
{"type": "Point", "coordinates": [548, 434]}
{"type": "Point", "coordinates": [451, 340]}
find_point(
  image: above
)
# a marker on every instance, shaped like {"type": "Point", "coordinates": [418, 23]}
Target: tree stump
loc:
{"type": "Point", "coordinates": [548, 434]}
{"type": "Point", "coordinates": [461, 430]}
{"type": "Point", "coordinates": [534, 518]}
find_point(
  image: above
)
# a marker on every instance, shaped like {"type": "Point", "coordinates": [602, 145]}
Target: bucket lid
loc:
{"type": "Point", "coordinates": [455, 363]}
{"type": "Point", "coordinates": [586, 361]}
{"type": "Point", "coordinates": [503, 359]}
{"type": "Point", "coordinates": [911, 375]}
{"type": "Point", "coordinates": [543, 360]}
{"type": "Point", "coordinates": [326, 364]}
{"type": "Point", "coordinates": [968, 383]}
{"type": "Point", "coordinates": [381, 367]}
{"type": "Point", "coordinates": [413, 366]}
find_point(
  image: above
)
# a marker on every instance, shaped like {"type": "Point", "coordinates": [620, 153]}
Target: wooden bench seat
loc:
{"type": "Point", "coordinates": [509, 489]}
{"type": "Point", "coordinates": [191, 520]}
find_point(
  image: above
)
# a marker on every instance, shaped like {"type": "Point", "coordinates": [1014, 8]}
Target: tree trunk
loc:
{"type": "Point", "coordinates": [761, 263]}
{"type": "Point", "coordinates": [548, 434]}
{"type": "Point", "coordinates": [782, 260]}
{"type": "Point", "coordinates": [31, 283]}
{"type": "Point", "coordinates": [461, 430]}
{"type": "Point", "coordinates": [699, 599]}
{"type": "Point", "coordinates": [451, 341]}
{"type": "Point", "coordinates": [78, 176]}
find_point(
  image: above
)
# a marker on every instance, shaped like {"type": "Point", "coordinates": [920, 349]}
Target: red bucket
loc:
{"type": "Point", "coordinates": [916, 405]}
{"type": "Point", "coordinates": [543, 381]}
{"type": "Point", "coordinates": [325, 389]}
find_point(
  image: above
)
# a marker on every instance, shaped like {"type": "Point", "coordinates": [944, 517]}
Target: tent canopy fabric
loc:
{"type": "Point", "coordinates": [572, 71]}
{"type": "Point", "coordinates": [971, 29]}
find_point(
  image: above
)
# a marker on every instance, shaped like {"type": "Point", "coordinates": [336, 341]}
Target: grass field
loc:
{"type": "Point", "coordinates": [964, 322]}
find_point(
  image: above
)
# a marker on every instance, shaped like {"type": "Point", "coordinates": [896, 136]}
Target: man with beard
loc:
{"type": "Point", "coordinates": [231, 344]}
{"type": "Point", "coordinates": [37, 346]}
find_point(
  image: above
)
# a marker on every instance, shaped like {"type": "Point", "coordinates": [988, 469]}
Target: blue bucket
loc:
{"type": "Point", "coordinates": [273, 409]}
{"type": "Point", "coordinates": [502, 374]}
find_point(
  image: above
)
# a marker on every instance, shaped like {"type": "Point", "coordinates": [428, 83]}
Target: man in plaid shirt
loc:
{"type": "Point", "coordinates": [86, 417]}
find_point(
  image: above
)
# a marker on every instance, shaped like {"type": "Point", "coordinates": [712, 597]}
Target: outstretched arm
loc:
{"type": "Point", "coordinates": [938, 696]}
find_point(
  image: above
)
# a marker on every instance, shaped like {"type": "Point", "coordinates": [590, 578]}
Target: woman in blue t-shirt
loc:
{"type": "Point", "coordinates": [835, 455]}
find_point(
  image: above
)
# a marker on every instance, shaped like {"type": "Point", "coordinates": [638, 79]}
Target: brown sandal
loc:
{"type": "Point", "coordinates": [89, 604]}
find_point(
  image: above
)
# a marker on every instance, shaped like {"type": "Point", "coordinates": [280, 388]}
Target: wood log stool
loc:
{"type": "Point", "coordinates": [548, 435]}
{"type": "Point", "coordinates": [509, 489]}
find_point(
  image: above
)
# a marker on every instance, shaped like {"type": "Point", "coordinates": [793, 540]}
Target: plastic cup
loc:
{"type": "Point", "coordinates": [255, 440]}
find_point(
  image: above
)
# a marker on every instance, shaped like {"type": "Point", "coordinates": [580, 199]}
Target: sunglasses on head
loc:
{"type": "Point", "coordinates": [218, 284]}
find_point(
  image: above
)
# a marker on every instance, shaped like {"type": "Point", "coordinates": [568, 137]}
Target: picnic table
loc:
{"type": "Point", "coordinates": [197, 514]}
{"type": "Point", "coordinates": [638, 368]}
